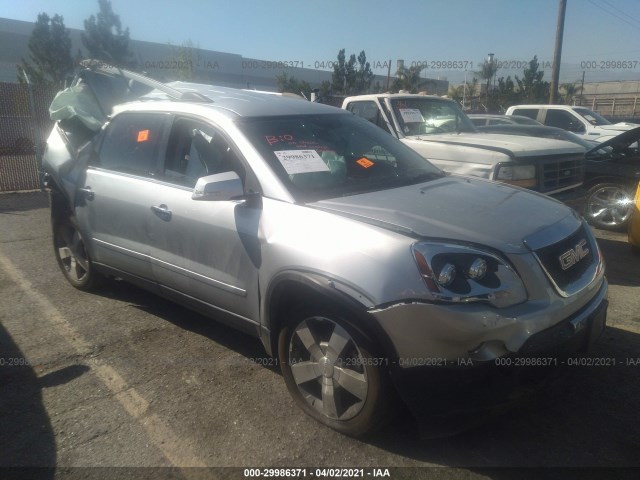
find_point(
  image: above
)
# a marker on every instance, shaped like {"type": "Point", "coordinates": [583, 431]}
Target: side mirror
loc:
{"type": "Point", "coordinates": [218, 187]}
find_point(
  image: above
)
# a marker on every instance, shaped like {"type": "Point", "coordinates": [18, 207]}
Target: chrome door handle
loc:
{"type": "Point", "coordinates": [87, 193]}
{"type": "Point", "coordinates": [162, 211]}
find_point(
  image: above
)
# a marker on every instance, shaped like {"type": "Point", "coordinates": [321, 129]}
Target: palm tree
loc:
{"type": "Point", "coordinates": [570, 91]}
{"type": "Point", "coordinates": [408, 78]}
{"type": "Point", "coordinates": [486, 72]}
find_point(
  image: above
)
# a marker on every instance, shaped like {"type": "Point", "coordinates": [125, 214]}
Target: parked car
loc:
{"type": "Point", "coordinates": [361, 267]}
{"type": "Point", "coordinates": [612, 173]}
{"type": "Point", "coordinates": [486, 119]}
{"type": "Point", "coordinates": [579, 120]}
{"type": "Point", "coordinates": [612, 170]}
{"type": "Point", "coordinates": [540, 131]}
{"type": "Point", "coordinates": [440, 131]}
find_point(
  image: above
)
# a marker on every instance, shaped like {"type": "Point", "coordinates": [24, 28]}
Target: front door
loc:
{"type": "Point", "coordinates": [208, 250]}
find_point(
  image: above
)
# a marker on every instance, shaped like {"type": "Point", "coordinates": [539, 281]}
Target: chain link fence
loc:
{"type": "Point", "coordinates": [24, 126]}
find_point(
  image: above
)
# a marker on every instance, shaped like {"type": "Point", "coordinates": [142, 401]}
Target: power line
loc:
{"type": "Point", "coordinates": [614, 14]}
{"type": "Point", "coordinates": [620, 11]}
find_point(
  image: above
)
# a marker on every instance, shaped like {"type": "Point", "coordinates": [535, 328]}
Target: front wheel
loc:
{"type": "Point", "coordinates": [72, 256]}
{"type": "Point", "coordinates": [332, 374]}
{"type": "Point", "coordinates": [609, 206]}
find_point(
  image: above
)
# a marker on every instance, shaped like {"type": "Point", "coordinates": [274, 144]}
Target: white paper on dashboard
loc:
{"type": "Point", "coordinates": [301, 161]}
{"type": "Point", "coordinates": [411, 115]}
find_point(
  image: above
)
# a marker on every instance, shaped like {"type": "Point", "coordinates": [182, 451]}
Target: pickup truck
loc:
{"type": "Point", "coordinates": [441, 132]}
{"type": "Point", "coordinates": [579, 120]}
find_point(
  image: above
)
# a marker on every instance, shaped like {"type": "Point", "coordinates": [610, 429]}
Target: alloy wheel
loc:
{"type": "Point", "coordinates": [609, 206]}
{"type": "Point", "coordinates": [72, 253]}
{"type": "Point", "coordinates": [328, 368]}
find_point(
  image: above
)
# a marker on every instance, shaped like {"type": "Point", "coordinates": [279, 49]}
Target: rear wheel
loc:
{"type": "Point", "coordinates": [609, 206]}
{"type": "Point", "coordinates": [331, 372]}
{"type": "Point", "coordinates": [72, 256]}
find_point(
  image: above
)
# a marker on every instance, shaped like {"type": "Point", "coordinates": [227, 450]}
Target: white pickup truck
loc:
{"type": "Point", "coordinates": [440, 131]}
{"type": "Point", "coordinates": [579, 120]}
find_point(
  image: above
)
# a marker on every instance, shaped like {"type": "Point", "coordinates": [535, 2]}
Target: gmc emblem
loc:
{"type": "Point", "coordinates": [569, 258]}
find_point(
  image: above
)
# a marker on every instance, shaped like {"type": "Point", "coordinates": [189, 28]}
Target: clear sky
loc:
{"type": "Point", "coordinates": [596, 31]}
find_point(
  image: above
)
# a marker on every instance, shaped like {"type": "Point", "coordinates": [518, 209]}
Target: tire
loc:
{"type": "Point", "coordinates": [609, 206]}
{"type": "Point", "coordinates": [72, 256]}
{"type": "Point", "coordinates": [324, 358]}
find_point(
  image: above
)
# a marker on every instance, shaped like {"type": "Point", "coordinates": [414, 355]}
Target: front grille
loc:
{"type": "Point", "coordinates": [568, 253]}
{"type": "Point", "coordinates": [561, 172]}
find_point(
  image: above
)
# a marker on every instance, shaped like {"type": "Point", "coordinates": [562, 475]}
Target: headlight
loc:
{"type": "Point", "coordinates": [519, 175]}
{"type": "Point", "coordinates": [461, 274]}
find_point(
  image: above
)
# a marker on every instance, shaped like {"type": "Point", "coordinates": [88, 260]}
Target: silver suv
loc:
{"type": "Point", "coordinates": [359, 265]}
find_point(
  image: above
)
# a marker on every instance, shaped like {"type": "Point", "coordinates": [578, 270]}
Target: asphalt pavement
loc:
{"type": "Point", "coordinates": [123, 378]}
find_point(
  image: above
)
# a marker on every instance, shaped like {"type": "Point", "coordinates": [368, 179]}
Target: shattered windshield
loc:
{"type": "Point", "coordinates": [428, 116]}
{"type": "Point", "coordinates": [327, 156]}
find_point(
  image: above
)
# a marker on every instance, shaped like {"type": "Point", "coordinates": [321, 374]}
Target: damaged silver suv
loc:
{"type": "Point", "coordinates": [359, 265]}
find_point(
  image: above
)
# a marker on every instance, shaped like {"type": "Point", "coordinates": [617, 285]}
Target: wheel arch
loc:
{"type": "Point", "coordinates": [629, 182]}
{"type": "Point", "coordinates": [60, 203]}
{"type": "Point", "coordinates": [294, 288]}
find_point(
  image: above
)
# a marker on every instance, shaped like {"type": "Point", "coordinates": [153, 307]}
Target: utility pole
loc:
{"type": "Point", "coordinates": [582, 86]}
{"type": "Point", "coordinates": [557, 53]}
{"type": "Point", "coordinates": [490, 63]}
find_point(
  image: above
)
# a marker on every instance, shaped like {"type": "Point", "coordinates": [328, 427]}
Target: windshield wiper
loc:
{"type": "Point", "coordinates": [423, 177]}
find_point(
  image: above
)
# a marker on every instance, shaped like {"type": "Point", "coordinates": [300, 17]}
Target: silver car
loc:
{"type": "Point", "coordinates": [362, 268]}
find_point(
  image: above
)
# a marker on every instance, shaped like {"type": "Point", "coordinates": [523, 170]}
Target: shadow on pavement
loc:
{"type": "Point", "coordinates": [586, 419]}
{"type": "Point", "coordinates": [12, 203]}
{"type": "Point", "coordinates": [623, 267]}
{"type": "Point", "coordinates": [184, 318]}
{"type": "Point", "coordinates": [26, 434]}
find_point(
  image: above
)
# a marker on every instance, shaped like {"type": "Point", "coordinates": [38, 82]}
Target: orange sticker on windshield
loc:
{"type": "Point", "coordinates": [364, 162]}
{"type": "Point", "coordinates": [143, 135]}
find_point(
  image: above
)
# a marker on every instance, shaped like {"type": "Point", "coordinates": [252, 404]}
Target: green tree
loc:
{"type": "Point", "coordinates": [105, 39]}
{"type": "Point", "coordinates": [353, 76]}
{"type": "Point", "coordinates": [49, 52]}
{"type": "Point", "coordinates": [325, 88]}
{"type": "Point", "coordinates": [363, 75]}
{"type": "Point", "coordinates": [187, 58]}
{"type": "Point", "coordinates": [292, 85]}
{"type": "Point", "coordinates": [487, 71]}
{"type": "Point", "coordinates": [532, 88]}
{"type": "Point", "coordinates": [339, 74]}
{"type": "Point", "coordinates": [569, 91]}
{"type": "Point", "coordinates": [408, 79]}
{"type": "Point", "coordinates": [504, 95]}
{"type": "Point", "coordinates": [346, 77]}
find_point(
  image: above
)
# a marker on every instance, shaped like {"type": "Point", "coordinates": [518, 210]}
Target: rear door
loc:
{"type": "Point", "coordinates": [564, 120]}
{"type": "Point", "coordinates": [533, 113]}
{"type": "Point", "coordinates": [114, 197]}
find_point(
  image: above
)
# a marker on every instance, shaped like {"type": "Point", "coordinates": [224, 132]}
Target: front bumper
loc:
{"type": "Point", "coordinates": [433, 387]}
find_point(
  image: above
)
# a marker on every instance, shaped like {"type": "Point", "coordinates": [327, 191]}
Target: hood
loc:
{"type": "Point", "coordinates": [513, 145]}
{"type": "Point", "coordinates": [462, 209]}
{"type": "Point", "coordinates": [622, 126]}
{"type": "Point", "coordinates": [624, 139]}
